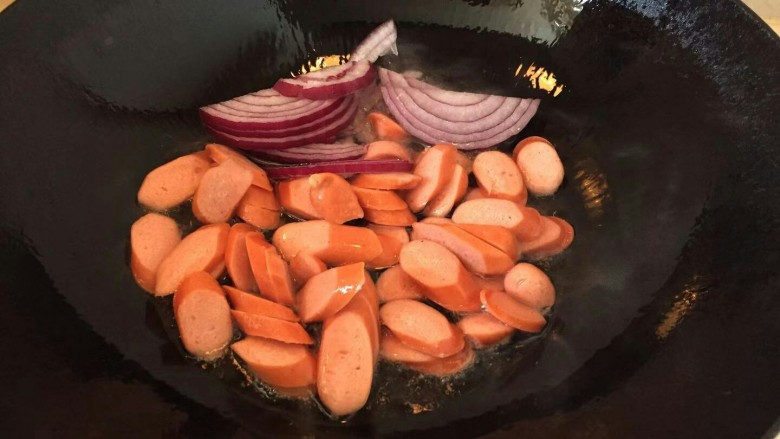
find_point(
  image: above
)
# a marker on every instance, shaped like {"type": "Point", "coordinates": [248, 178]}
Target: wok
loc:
{"type": "Point", "coordinates": [667, 322]}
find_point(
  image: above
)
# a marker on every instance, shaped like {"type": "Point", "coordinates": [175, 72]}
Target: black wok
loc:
{"type": "Point", "coordinates": [667, 322]}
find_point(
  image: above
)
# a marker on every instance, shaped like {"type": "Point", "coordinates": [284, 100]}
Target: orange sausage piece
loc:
{"type": "Point", "coordinates": [278, 364]}
{"type": "Point", "coordinates": [529, 285]}
{"type": "Point", "coordinates": [333, 199]}
{"type": "Point", "coordinates": [540, 165]}
{"type": "Point", "coordinates": [173, 183]}
{"type": "Point", "coordinates": [328, 292]}
{"type": "Point", "coordinates": [393, 350]}
{"type": "Point", "coordinates": [435, 220]}
{"type": "Point", "coordinates": [511, 312]}
{"type": "Point", "coordinates": [395, 284]}
{"type": "Point", "coordinates": [497, 236]}
{"type": "Point", "coordinates": [202, 316]}
{"type": "Point", "coordinates": [334, 244]}
{"type": "Point", "coordinates": [443, 367]}
{"type": "Point", "coordinates": [484, 330]}
{"type": "Point", "coordinates": [201, 250]}
{"type": "Point", "coordinates": [450, 194]}
{"type": "Point", "coordinates": [152, 238]}
{"type": "Point", "coordinates": [373, 199]}
{"type": "Point", "coordinates": [259, 208]}
{"type": "Point", "coordinates": [436, 167]}
{"type": "Point", "coordinates": [392, 239]}
{"type": "Point", "coordinates": [271, 272]}
{"type": "Point", "coordinates": [555, 237]}
{"type": "Point", "coordinates": [465, 162]}
{"type": "Point", "coordinates": [498, 176]}
{"type": "Point", "coordinates": [494, 283]}
{"type": "Point", "coordinates": [441, 275]}
{"type": "Point", "coordinates": [387, 181]}
{"type": "Point", "coordinates": [219, 192]}
{"type": "Point", "coordinates": [258, 325]}
{"type": "Point", "coordinates": [386, 128]}
{"type": "Point", "coordinates": [237, 259]}
{"type": "Point", "coordinates": [294, 198]}
{"type": "Point", "coordinates": [366, 303]}
{"type": "Point", "coordinates": [387, 149]}
{"type": "Point", "coordinates": [220, 153]}
{"type": "Point", "coordinates": [401, 217]}
{"type": "Point", "coordinates": [252, 304]}
{"type": "Point", "coordinates": [474, 194]}
{"type": "Point", "coordinates": [303, 266]}
{"type": "Point", "coordinates": [422, 328]}
{"type": "Point", "coordinates": [345, 364]}
{"type": "Point", "coordinates": [522, 221]}
{"type": "Point", "coordinates": [477, 255]}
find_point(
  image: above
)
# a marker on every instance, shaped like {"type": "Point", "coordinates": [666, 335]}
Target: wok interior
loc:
{"type": "Point", "coordinates": [640, 130]}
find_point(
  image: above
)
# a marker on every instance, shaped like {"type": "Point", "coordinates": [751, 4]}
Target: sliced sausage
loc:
{"type": "Point", "coordinates": [202, 316]}
{"type": "Point", "coordinates": [201, 250]}
{"type": "Point", "coordinates": [483, 330]}
{"type": "Point", "coordinates": [524, 222]}
{"type": "Point", "coordinates": [392, 239]}
{"type": "Point", "coordinates": [237, 259]}
{"type": "Point", "coordinates": [444, 367]}
{"type": "Point", "coordinates": [271, 272]}
{"type": "Point", "coordinates": [386, 128]}
{"type": "Point", "coordinates": [221, 153]}
{"type": "Point", "coordinates": [441, 275]}
{"type": "Point", "coordinates": [259, 208]}
{"type": "Point", "coordinates": [529, 285]}
{"type": "Point", "coordinates": [477, 255]}
{"type": "Point", "coordinates": [252, 304]}
{"type": "Point", "coordinates": [465, 162]}
{"type": "Point", "coordinates": [366, 303]}
{"type": "Point", "coordinates": [393, 350]}
{"type": "Point", "coordinates": [498, 176]}
{"type": "Point", "coordinates": [511, 312]}
{"type": "Point", "coordinates": [374, 199]}
{"type": "Point", "coordinates": [497, 236]}
{"type": "Point", "coordinates": [294, 198]}
{"type": "Point", "coordinates": [395, 284]}
{"type": "Point", "coordinates": [258, 325]}
{"type": "Point", "coordinates": [275, 363]}
{"type": "Point", "coordinates": [333, 199]}
{"type": "Point", "coordinates": [421, 327]}
{"type": "Point", "coordinates": [303, 266]}
{"type": "Point", "coordinates": [401, 217]}
{"type": "Point", "coordinates": [495, 283]}
{"type": "Point", "coordinates": [345, 364]}
{"type": "Point", "coordinates": [328, 292]}
{"type": "Point", "coordinates": [540, 165]}
{"type": "Point", "coordinates": [387, 181]}
{"type": "Point", "coordinates": [219, 192]}
{"type": "Point", "coordinates": [334, 244]}
{"type": "Point", "coordinates": [556, 236]}
{"type": "Point", "coordinates": [173, 183]}
{"type": "Point", "coordinates": [152, 238]}
{"type": "Point", "coordinates": [474, 194]}
{"type": "Point", "coordinates": [387, 149]}
{"type": "Point", "coordinates": [450, 194]}
{"type": "Point", "coordinates": [436, 167]}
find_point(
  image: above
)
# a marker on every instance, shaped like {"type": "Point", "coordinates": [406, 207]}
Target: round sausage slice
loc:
{"type": "Point", "coordinates": [275, 363]}
{"type": "Point", "coordinates": [513, 313]}
{"type": "Point", "coordinates": [421, 327]}
{"type": "Point", "coordinates": [202, 316]}
{"type": "Point", "coordinates": [529, 285]}
{"type": "Point", "coordinates": [540, 165]}
{"type": "Point", "coordinates": [152, 238]}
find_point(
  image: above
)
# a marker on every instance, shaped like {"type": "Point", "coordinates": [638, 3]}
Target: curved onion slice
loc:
{"type": "Point", "coordinates": [248, 131]}
{"type": "Point", "coordinates": [315, 153]}
{"type": "Point", "coordinates": [321, 134]}
{"type": "Point", "coordinates": [439, 125]}
{"type": "Point", "coordinates": [330, 82]}
{"type": "Point", "coordinates": [340, 167]}
{"type": "Point", "coordinates": [379, 42]}
{"type": "Point", "coordinates": [267, 112]}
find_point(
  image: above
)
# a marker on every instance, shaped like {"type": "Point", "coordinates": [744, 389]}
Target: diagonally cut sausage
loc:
{"type": "Point", "coordinates": [477, 255]}
{"type": "Point", "coordinates": [202, 316]}
{"type": "Point", "coordinates": [275, 363]}
{"type": "Point", "coordinates": [152, 238]}
{"type": "Point", "coordinates": [201, 250]}
{"type": "Point", "coordinates": [421, 327]}
{"type": "Point", "coordinates": [237, 259]}
{"type": "Point", "coordinates": [333, 198]}
{"type": "Point", "coordinates": [268, 327]}
{"type": "Point", "coordinates": [330, 291]}
{"type": "Point", "coordinates": [173, 183]}
{"type": "Point", "coordinates": [252, 304]}
{"type": "Point", "coordinates": [219, 192]}
{"type": "Point", "coordinates": [271, 272]}
{"type": "Point", "coordinates": [511, 312]}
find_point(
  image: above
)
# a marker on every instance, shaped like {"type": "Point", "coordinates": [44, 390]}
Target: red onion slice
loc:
{"type": "Point", "coordinates": [330, 82]}
{"type": "Point", "coordinates": [489, 117]}
{"type": "Point", "coordinates": [321, 134]}
{"type": "Point", "coordinates": [315, 153]}
{"type": "Point", "coordinates": [336, 114]}
{"type": "Point", "coordinates": [379, 42]}
{"type": "Point", "coordinates": [219, 116]}
{"type": "Point", "coordinates": [339, 167]}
